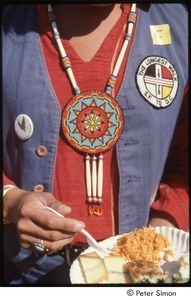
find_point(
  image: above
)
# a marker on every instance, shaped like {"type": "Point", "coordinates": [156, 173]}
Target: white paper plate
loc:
{"type": "Point", "coordinates": [178, 238]}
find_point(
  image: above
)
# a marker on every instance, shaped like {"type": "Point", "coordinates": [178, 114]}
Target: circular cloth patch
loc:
{"type": "Point", "coordinates": [157, 81]}
{"type": "Point", "coordinates": [92, 122]}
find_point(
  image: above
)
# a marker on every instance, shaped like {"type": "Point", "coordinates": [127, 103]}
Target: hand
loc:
{"type": "Point", "coordinates": [160, 222]}
{"type": "Point", "coordinates": [26, 210]}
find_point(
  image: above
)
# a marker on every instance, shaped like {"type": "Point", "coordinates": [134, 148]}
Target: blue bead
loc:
{"type": "Point", "coordinates": [128, 37]}
{"type": "Point", "coordinates": [67, 66]}
{"type": "Point", "coordinates": [77, 90]}
{"type": "Point", "coordinates": [56, 36]}
{"type": "Point", "coordinates": [64, 58]}
{"type": "Point", "coordinates": [108, 91]}
{"type": "Point", "coordinates": [113, 77]}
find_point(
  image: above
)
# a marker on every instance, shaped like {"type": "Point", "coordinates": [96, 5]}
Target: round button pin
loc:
{"type": "Point", "coordinates": [24, 127]}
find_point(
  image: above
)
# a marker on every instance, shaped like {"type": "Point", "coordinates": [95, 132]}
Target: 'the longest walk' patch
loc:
{"type": "Point", "coordinates": [157, 81]}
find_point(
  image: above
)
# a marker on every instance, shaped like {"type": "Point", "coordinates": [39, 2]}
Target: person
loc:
{"type": "Point", "coordinates": [69, 87]}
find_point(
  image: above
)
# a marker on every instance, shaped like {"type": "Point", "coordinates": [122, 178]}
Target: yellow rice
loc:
{"type": "Point", "coordinates": [143, 244]}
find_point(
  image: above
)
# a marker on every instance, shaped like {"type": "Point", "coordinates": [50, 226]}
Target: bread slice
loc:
{"type": "Point", "coordinates": [145, 271]}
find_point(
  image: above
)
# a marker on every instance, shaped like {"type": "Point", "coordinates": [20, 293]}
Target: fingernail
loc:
{"type": "Point", "coordinates": [63, 208]}
{"type": "Point", "coordinates": [79, 226]}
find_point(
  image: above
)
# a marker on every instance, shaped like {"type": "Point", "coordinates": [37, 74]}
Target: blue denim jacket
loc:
{"type": "Point", "coordinates": [148, 130]}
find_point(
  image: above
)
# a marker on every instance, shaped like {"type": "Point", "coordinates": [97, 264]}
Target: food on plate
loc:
{"type": "Point", "coordinates": [115, 270]}
{"type": "Point", "coordinates": [110, 269]}
{"type": "Point", "coordinates": [135, 259]}
{"type": "Point", "coordinates": [184, 271]}
{"type": "Point", "coordinates": [181, 270]}
{"type": "Point", "coordinates": [144, 244]}
{"type": "Point", "coordinates": [93, 268]}
{"type": "Point", "coordinates": [145, 271]}
{"type": "Point", "coordinates": [149, 254]}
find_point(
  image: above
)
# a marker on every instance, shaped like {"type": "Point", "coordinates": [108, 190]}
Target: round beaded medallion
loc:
{"type": "Point", "coordinates": [92, 122]}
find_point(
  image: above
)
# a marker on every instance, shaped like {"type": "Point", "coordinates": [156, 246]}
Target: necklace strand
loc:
{"type": "Point", "coordinates": [66, 62]}
{"type": "Point", "coordinates": [94, 164]}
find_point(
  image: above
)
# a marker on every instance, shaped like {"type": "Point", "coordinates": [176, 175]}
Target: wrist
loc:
{"type": "Point", "coordinates": [11, 204]}
{"type": "Point", "coordinates": [6, 189]}
{"type": "Point", "coordinates": [162, 219]}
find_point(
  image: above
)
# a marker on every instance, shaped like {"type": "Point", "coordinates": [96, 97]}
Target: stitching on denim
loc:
{"type": "Point", "coordinates": [128, 59]}
{"type": "Point", "coordinates": [57, 117]}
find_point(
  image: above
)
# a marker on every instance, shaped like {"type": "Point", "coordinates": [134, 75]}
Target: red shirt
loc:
{"type": "Point", "coordinates": [69, 179]}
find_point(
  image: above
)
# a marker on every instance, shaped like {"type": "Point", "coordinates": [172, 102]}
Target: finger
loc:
{"type": "Point", "coordinates": [30, 229]}
{"type": "Point", "coordinates": [57, 205]}
{"type": "Point", "coordinates": [52, 228]}
{"type": "Point", "coordinates": [52, 221]}
{"type": "Point", "coordinates": [62, 209]}
{"type": "Point", "coordinates": [48, 220]}
{"type": "Point", "coordinates": [47, 199]}
{"type": "Point", "coordinates": [49, 247]}
{"type": "Point", "coordinates": [65, 225]}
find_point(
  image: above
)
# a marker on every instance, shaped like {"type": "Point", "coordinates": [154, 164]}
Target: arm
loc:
{"type": "Point", "coordinates": [26, 211]}
{"type": "Point", "coordinates": [171, 207]}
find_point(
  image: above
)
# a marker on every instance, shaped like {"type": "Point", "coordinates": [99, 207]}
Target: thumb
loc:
{"type": "Point", "coordinates": [64, 209]}
{"type": "Point", "coordinates": [58, 206]}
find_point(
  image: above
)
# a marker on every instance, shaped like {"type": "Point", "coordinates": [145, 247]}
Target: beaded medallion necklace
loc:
{"type": "Point", "coordinates": [92, 121]}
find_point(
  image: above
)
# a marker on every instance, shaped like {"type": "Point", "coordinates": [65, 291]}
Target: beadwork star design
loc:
{"type": "Point", "coordinates": [92, 122]}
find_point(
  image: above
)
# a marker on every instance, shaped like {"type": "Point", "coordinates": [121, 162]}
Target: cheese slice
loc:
{"type": "Point", "coordinates": [93, 267]}
{"type": "Point", "coordinates": [117, 269]}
